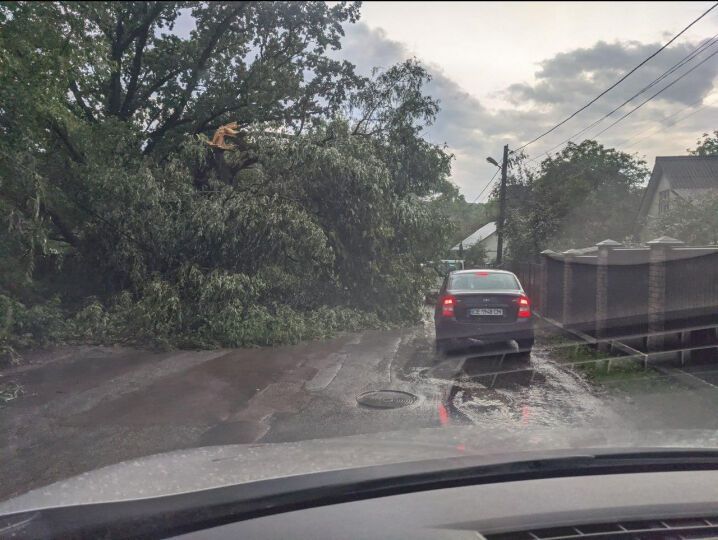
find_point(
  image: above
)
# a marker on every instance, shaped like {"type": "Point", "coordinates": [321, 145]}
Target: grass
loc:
{"type": "Point", "coordinates": [597, 366]}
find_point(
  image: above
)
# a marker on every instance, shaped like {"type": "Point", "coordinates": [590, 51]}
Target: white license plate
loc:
{"type": "Point", "coordinates": [486, 311]}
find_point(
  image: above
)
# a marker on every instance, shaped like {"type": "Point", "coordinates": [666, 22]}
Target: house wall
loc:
{"type": "Point", "coordinates": [663, 184]}
{"type": "Point", "coordinates": [490, 244]}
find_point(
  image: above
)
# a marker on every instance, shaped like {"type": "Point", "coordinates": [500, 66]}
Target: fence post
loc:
{"type": "Point", "coordinates": [601, 318]}
{"type": "Point", "coordinates": [660, 247]}
{"type": "Point", "coordinates": [568, 271]}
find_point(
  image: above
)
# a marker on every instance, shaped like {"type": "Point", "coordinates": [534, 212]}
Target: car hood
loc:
{"type": "Point", "coordinates": [216, 466]}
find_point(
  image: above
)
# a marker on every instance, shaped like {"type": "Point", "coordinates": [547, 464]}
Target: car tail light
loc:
{"type": "Point", "coordinates": [524, 307]}
{"type": "Point", "coordinates": [447, 303]}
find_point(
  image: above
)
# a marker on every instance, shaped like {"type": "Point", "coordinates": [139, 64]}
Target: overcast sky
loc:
{"type": "Point", "coordinates": [505, 72]}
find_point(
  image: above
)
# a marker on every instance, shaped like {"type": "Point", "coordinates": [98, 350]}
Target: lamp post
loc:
{"type": "Point", "coordinates": [502, 204]}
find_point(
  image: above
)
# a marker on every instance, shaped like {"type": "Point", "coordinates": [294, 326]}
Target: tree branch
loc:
{"type": "Point", "coordinates": [160, 82]}
{"type": "Point", "coordinates": [204, 56]}
{"type": "Point", "coordinates": [144, 25]}
{"type": "Point", "coordinates": [126, 109]}
{"type": "Point", "coordinates": [63, 228]}
{"type": "Point", "coordinates": [81, 102]}
{"type": "Point", "coordinates": [64, 137]}
{"type": "Point", "coordinates": [202, 124]}
{"type": "Point", "coordinates": [115, 83]}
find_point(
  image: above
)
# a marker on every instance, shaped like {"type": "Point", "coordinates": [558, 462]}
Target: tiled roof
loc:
{"type": "Point", "coordinates": [477, 236]}
{"type": "Point", "coordinates": [690, 172]}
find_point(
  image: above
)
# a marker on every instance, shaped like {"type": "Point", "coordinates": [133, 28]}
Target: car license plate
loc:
{"type": "Point", "coordinates": [486, 311]}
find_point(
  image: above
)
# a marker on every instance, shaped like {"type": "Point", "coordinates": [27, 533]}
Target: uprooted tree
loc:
{"type": "Point", "coordinates": [120, 222]}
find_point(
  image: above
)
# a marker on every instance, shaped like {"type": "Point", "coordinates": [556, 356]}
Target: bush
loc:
{"type": "Point", "coordinates": [475, 256]}
{"type": "Point", "coordinates": [161, 318]}
{"type": "Point", "coordinates": [38, 325]}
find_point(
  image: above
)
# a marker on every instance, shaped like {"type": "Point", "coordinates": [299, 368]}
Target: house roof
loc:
{"type": "Point", "coordinates": [690, 172]}
{"type": "Point", "coordinates": [474, 238]}
{"type": "Point", "coordinates": [685, 174]}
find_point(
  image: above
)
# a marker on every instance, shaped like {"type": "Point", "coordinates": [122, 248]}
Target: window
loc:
{"type": "Point", "coordinates": [483, 281]}
{"type": "Point", "coordinates": [663, 201]}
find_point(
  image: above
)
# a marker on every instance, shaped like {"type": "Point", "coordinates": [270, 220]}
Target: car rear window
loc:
{"type": "Point", "coordinates": [483, 281]}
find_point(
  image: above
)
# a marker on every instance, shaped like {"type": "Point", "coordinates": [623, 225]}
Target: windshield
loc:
{"type": "Point", "coordinates": [483, 281]}
{"type": "Point", "coordinates": [251, 224]}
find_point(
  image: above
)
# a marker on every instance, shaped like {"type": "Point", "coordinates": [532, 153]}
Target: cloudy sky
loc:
{"type": "Point", "coordinates": [505, 72]}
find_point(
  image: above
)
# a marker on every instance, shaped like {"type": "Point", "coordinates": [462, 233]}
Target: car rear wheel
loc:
{"type": "Point", "coordinates": [525, 346]}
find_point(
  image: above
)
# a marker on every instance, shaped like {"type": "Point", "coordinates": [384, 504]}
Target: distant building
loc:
{"type": "Point", "coordinates": [486, 236]}
{"type": "Point", "coordinates": [673, 178]}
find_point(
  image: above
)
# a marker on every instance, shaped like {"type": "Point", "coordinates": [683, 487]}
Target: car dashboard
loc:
{"type": "Point", "coordinates": [678, 504]}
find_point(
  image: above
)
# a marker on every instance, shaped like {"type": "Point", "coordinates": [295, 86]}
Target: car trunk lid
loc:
{"type": "Point", "coordinates": [488, 307]}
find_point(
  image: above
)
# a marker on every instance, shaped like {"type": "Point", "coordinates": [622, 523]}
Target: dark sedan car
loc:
{"type": "Point", "coordinates": [483, 305]}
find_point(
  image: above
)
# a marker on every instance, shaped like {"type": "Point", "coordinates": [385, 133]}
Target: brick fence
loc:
{"type": "Point", "coordinates": [610, 289]}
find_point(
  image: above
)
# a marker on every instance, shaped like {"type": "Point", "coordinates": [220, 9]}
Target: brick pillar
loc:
{"type": "Point", "coordinates": [660, 249]}
{"type": "Point", "coordinates": [602, 264]}
{"type": "Point", "coordinates": [568, 271]}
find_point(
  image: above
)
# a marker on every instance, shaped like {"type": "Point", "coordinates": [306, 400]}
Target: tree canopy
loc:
{"type": "Point", "coordinates": [707, 145]}
{"type": "Point", "coordinates": [582, 195]}
{"type": "Point", "coordinates": [119, 222]}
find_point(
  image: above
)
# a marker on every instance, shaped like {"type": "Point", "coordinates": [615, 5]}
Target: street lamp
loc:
{"type": "Point", "coordinates": [502, 205]}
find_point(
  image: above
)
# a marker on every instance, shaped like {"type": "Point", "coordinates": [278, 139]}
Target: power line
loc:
{"type": "Point", "coordinates": [486, 186]}
{"type": "Point", "coordinates": [619, 81]}
{"type": "Point", "coordinates": [699, 64]}
{"type": "Point", "coordinates": [633, 141]}
{"type": "Point", "coordinates": [686, 59]}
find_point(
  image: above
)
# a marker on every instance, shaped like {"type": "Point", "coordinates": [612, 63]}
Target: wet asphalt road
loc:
{"type": "Point", "coordinates": [86, 407]}
{"type": "Point", "coordinates": [481, 385]}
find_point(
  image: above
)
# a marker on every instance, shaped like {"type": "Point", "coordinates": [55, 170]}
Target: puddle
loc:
{"type": "Point", "coordinates": [494, 387]}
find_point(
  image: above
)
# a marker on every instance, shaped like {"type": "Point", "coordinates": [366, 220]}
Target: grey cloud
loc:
{"type": "Point", "coordinates": [578, 74]}
{"type": "Point", "coordinates": [464, 124]}
{"type": "Point", "coordinates": [563, 83]}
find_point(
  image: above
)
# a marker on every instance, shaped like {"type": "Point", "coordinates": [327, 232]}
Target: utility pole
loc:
{"type": "Point", "coordinates": [502, 208]}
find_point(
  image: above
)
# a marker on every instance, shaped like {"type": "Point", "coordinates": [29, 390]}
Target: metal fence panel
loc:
{"type": "Point", "coordinates": [553, 303]}
{"type": "Point", "coordinates": [627, 298]}
{"type": "Point", "coordinates": [692, 286]}
{"type": "Point", "coordinates": [583, 292]}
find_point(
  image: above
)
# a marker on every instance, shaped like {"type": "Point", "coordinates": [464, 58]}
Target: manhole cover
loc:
{"type": "Point", "coordinates": [386, 399]}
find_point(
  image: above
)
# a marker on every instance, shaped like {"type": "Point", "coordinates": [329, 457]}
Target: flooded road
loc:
{"type": "Point", "coordinates": [493, 386]}
{"type": "Point", "coordinates": [487, 386]}
{"type": "Point", "coordinates": [77, 409]}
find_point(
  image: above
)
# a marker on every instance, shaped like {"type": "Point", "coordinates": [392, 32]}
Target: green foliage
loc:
{"type": "Point", "coordinates": [475, 256]}
{"type": "Point", "coordinates": [113, 205]}
{"type": "Point", "coordinates": [465, 217]}
{"type": "Point", "coordinates": [22, 326]}
{"type": "Point", "coordinates": [578, 197]}
{"type": "Point", "coordinates": [693, 221]}
{"type": "Point", "coordinates": [707, 145]}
